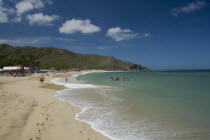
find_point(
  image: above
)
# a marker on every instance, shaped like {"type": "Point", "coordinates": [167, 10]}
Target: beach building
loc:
{"type": "Point", "coordinates": [11, 68]}
{"type": "Point", "coordinates": [15, 71]}
{"type": "Point", "coordinates": [15, 68]}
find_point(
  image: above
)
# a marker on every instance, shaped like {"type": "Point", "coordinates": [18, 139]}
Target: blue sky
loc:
{"type": "Point", "coordinates": [163, 34]}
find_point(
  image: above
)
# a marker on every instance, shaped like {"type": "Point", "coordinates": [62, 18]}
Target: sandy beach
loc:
{"type": "Point", "coordinates": [29, 111]}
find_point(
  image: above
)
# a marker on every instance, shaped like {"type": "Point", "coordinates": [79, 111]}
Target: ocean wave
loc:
{"type": "Point", "coordinates": [60, 81]}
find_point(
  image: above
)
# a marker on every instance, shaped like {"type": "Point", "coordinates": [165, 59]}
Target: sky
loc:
{"type": "Point", "coordinates": [159, 34]}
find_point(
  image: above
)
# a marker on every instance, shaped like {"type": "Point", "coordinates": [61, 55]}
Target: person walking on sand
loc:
{"type": "Point", "coordinates": [41, 78]}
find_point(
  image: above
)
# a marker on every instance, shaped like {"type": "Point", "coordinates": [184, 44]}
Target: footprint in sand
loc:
{"type": "Point", "coordinates": [38, 138]}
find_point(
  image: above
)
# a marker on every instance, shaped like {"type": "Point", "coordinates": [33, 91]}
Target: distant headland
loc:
{"type": "Point", "coordinates": [56, 58]}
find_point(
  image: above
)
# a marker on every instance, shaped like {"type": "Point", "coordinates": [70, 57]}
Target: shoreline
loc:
{"type": "Point", "coordinates": [81, 109]}
{"type": "Point", "coordinates": [30, 111]}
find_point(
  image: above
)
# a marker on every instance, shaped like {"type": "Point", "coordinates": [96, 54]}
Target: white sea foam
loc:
{"type": "Point", "coordinates": [79, 86]}
{"type": "Point", "coordinates": [59, 81]}
{"type": "Point", "coordinates": [76, 75]}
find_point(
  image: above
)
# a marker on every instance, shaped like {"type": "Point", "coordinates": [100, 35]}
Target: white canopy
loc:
{"type": "Point", "coordinates": [11, 68]}
{"type": "Point", "coordinates": [1, 69]}
{"type": "Point", "coordinates": [45, 70]}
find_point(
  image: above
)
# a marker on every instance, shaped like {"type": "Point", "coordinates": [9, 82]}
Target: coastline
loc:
{"type": "Point", "coordinates": [30, 111]}
{"type": "Point", "coordinates": [81, 108]}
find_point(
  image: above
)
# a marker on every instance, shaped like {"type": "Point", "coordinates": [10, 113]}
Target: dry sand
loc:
{"type": "Point", "coordinates": [29, 111]}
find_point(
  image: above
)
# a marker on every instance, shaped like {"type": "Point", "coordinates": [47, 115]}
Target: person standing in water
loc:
{"type": "Point", "coordinates": [66, 80]}
{"type": "Point", "coordinates": [78, 78]}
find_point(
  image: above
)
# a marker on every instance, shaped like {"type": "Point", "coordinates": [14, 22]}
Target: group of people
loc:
{"type": "Point", "coordinates": [118, 79]}
{"type": "Point", "coordinates": [14, 74]}
{"type": "Point", "coordinates": [75, 77]}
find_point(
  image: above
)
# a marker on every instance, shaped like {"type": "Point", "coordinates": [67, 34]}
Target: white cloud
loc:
{"type": "Point", "coordinates": [119, 34]}
{"type": "Point", "coordinates": [5, 12]}
{"type": "Point", "coordinates": [191, 7]}
{"type": "Point", "coordinates": [83, 26]}
{"type": "Point", "coordinates": [113, 46]}
{"type": "Point", "coordinates": [146, 35]}
{"type": "Point", "coordinates": [35, 41]}
{"type": "Point", "coordinates": [28, 5]}
{"type": "Point", "coordinates": [3, 16]}
{"type": "Point", "coordinates": [17, 42]}
{"type": "Point", "coordinates": [24, 6]}
{"type": "Point", "coordinates": [8, 14]}
{"type": "Point", "coordinates": [17, 19]}
{"type": "Point", "coordinates": [40, 19]}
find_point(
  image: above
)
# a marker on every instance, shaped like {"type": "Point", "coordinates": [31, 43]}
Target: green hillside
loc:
{"type": "Point", "coordinates": [49, 57]}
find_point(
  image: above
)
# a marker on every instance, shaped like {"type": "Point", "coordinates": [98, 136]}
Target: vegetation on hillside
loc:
{"type": "Point", "coordinates": [49, 57]}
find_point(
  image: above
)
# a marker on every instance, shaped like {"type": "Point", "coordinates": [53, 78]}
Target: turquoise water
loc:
{"type": "Point", "coordinates": [150, 105]}
{"type": "Point", "coordinates": [181, 97]}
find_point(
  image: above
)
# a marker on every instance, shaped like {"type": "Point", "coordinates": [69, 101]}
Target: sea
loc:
{"type": "Point", "coordinates": [143, 105]}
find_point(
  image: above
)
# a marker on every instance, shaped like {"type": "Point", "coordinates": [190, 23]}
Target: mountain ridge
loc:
{"type": "Point", "coordinates": [65, 59]}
